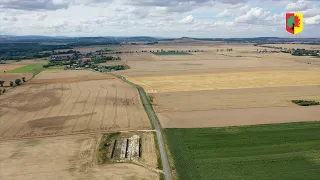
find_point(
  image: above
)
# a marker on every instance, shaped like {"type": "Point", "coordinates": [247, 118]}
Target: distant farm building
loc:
{"type": "Point", "coordinates": [83, 60]}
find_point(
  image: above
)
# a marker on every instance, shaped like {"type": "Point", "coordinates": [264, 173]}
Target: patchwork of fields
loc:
{"type": "Point", "coordinates": [219, 90]}
{"type": "Point", "coordinates": [222, 92]}
{"type": "Point", "coordinates": [282, 151]}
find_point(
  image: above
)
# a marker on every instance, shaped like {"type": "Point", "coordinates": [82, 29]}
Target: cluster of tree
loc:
{"type": "Point", "coordinates": [91, 43]}
{"type": "Point", "coordinates": [2, 91]}
{"type": "Point", "coordinates": [17, 82]}
{"type": "Point", "coordinates": [103, 59]}
{"type": "Point", "coordinates": [228, 50]}
{"type": "Point", "coordinates": [115, 68]}
{"type": "Point", "coordinates": [55, 63]}
{"type": "Point", "coordinates": [64, 52]}
{"type": "Point", "coordinates": [265, 46]}
{"type": "Point", "coordinates": [306, 103]}
{"type": "Point", "coordinates": [103, 50]}
{"type": "Point", "coordinates": [17, 50]}
{"type": "Point", "coordinates": [150, 43]}
{"type": "Point", "coordinates": [304, 52]}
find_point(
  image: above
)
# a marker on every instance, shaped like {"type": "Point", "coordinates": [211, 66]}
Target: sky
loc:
{"type": "Point", "coordinates": [157, 18]}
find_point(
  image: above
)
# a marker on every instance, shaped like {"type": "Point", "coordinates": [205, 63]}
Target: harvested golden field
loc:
{"type": "Point", "coordinates": [237, 80]}
{"type": "Point", "coordinates": [8, 67]}
{"type": "Point", "coordinates": [67, 158]}
{"type": "Point", "coordinates": [71, 107]}
{"type": "Point", "coordinates": [68, 76]}
{"type": "Point", "coordinates": [233, 98]}
{"type": "Point", "coordinates": [147, 64]}
{"type": "Point", "coordinates": [238, 117]}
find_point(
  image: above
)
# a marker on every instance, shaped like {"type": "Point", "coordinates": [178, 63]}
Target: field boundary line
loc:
{"type": "Point", "coordinates": [104, 109]}
{"type": "Point", "coordinates": [84, 105]}
{"type": "Point", "coordinates": [94, 107]}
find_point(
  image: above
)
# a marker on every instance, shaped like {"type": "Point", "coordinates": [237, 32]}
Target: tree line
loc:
{"type": "Point", "coordinates": [17, 82]}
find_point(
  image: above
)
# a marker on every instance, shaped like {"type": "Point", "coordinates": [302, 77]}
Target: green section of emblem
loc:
{"type": "Point", "coordinates": [290, 21]}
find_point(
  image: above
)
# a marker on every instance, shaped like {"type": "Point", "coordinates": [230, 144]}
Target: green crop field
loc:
{"type": "Point", "coordinates": [31, 68]}
{"type": "Point", "coordinates": [170, 53]}
{"type": "Point", "coordinates": [281, 151]}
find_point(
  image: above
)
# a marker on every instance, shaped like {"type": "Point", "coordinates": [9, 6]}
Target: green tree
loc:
{"type": "Point", "coordinates": [11, 83]}
{"type": "Point", "coordinates": [1, 83]}
{"type": "Point", "coordinates": [18, 82]}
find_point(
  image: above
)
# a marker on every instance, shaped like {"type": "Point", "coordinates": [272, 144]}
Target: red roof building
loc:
{"type": "Point", "coordinates": [85, 60]}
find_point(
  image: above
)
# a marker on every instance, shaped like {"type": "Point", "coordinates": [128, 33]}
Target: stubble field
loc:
{"type": "Point", "coordinates": [67, 157]}
{"type": "Point", "coordinates": [69, 107]}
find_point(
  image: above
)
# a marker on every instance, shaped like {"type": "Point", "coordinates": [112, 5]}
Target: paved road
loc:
{"type": "Point", "coordinates": [157, 126]}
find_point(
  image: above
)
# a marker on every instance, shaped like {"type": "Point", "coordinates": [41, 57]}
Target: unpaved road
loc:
{"type": "Point", "coordinates": [151, 114]}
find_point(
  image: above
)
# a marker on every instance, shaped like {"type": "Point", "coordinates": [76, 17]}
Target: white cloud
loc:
{"type": "Point", "coordinates": [198, 18]}
{"type": "Point", "coordinates": [260, 16]}
{"type": "Point", "coordinates": [313, 20]}
{"type": "Point", "coordinates": [188, 19]}
{"type": "Point", "coordinates": [300, 5]}
{"type": "Point", "coordinates": [311, 12]}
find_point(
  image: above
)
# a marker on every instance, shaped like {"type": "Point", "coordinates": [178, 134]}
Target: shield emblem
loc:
{"type": "Point", "coordinates": [294, 22]}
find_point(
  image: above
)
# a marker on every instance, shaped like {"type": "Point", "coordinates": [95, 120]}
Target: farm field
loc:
{"type": "Point", "coordinates": [17, 70]}
{"type": "Point", "coordinates": [296, 46]}
{"type": "Point", "coordinates": [8, 67]}
{"type": "Point", "coordinates": [70, 106]}
{"type": "Point", "coordinates": [170, 53]}
{"type": "Point", "coordinates": [260, 79]}
{"type": "Point", "coordinates": [238, 117]}
{"type": "Point", "coordinates": [148, 64]}
{"type": "Point", "coordinates": [64, 157]}
{"type": "Point", "coordinates": [282, 151]}
{"type": "Point", "coordinates": [30, 68]}
{"type": "Point", "coordinates": [232, 98]}
{"type": "Point", "coordinates": [217, 84]}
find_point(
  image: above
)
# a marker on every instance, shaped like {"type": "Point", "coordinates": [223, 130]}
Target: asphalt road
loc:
{"type": "Point", "coordinates": [164, 158]}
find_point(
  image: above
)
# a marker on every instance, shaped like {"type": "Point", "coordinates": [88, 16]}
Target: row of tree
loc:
{"type": "Point", "coordinates": [17, 82]}
{"type": "Point", "coordinates": [103, 59]}
{"type": "Point", "coordinates": [221, 50]}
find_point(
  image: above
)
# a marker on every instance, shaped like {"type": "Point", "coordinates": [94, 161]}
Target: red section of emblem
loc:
{"type": "Point", "coordinates": [296, 21]}
{"type": "Point", "coordinates": [289, 29]}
